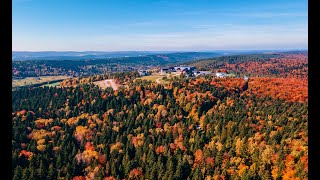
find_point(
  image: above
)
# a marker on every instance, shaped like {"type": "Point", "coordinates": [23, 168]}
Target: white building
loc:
{"type": "Point", "coordinates": [198, 73]}
{"type": "Point", "coordinates": [182, 68]}
{"type": "Point", "coordinates": [142, 72]}
{"type": "Point", "coordinates": [246, 78]}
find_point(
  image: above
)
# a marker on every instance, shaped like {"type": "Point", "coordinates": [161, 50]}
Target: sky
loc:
{"type": "Point", "coordinates": [159, 25]}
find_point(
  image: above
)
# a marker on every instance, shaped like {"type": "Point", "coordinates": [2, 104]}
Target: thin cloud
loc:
{"type": "Point", "coordinates": [267, 14]}
{"type": "Point", "coordinates": [250, 13]}
{"type": "Point", "coordinates": [222, 37]}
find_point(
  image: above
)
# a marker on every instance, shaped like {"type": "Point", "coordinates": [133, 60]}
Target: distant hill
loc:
{"type": "Point", "coordinates": [73, 55]}
{"type": "Point", "coordinates": [88, 64]}
{"type": "Point", "coordinates": [134, 58]}
{"type": "Point", "coordinates": [93, 55]}
{"type": "Point", "coordinates": [252, 55]}
{"type": "Point", "coordinates": [157, 58]}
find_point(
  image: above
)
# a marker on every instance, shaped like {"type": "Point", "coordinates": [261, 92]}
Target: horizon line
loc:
{"type": "Point", "coordinates": [283, 49]}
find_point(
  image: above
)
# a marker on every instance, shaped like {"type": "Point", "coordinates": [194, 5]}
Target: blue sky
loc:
{"type": "Point", "coordinates": [184, 25]}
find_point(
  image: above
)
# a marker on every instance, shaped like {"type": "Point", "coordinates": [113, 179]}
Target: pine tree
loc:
{"type": "Point", "coordinates": [26, 174]}
{"type": "Point", "coordinates": [33, 162]}
{"type": "Point", "coordinates": [14, 159]}
{"type": "Point", "coordinates": [126, 164]}
{"type": "Point", "coordinates": [17, 173]}
{"type": "Point", "coordinates": [160, 167]}
{"type": "Point", "coordinates": [153, 172]}
{"type": "Point", "coordinates": [170, 166]}
{"type": "Point", "coordinates": [197, 174]}
{"type": "Point", "coordinates": [59, 161]}
{"type": "Point", "coordinates": [41, 170]}
{"type": "Point", "coordinates": [33, 174]}
{"type": "Point", "coordinates": [178, 173]}
{"type": "Point", "coordinates": [51, 173]}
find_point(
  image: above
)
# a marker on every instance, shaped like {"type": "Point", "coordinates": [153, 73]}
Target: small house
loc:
{"type": "Point", "coordinates": [142, 72]}
{"type": "Point", "coordinates": [166, 69]}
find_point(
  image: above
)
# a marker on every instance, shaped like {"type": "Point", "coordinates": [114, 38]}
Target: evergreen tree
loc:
{"type": "Point", "coordinates": [26, 174]}
{"type": "Point", "coordinates": [197, 174]}
{"type": "Point", "coordinates": [51, 172]}
{"type": "Point", "coordinates": [17, 173]}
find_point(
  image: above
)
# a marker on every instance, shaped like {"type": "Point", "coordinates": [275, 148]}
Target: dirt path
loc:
{"type": "Point", "coordinates": [158, 80]}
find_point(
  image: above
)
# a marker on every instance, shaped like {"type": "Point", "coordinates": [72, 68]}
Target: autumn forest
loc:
{"type": "Point", "coordinates": [184, 128]}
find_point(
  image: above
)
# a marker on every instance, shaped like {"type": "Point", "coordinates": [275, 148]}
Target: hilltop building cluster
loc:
{"type": "Point", "coordinates": [190, 71]}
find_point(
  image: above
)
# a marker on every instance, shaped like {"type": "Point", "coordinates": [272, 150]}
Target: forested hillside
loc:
{"type": "Point", "coordinates": [270, 65]}
{"type": "Point", "coordinates": [192, 128]}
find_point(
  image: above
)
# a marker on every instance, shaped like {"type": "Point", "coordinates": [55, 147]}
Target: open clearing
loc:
{"type": "Point", "coordinates": [151, 77]}
{"type": "Point", "coordinates": [107, 83]}
{"type": "Point", "coordinates": [36, 80]}
{"type": "Point", "coordinates": [157, 77]}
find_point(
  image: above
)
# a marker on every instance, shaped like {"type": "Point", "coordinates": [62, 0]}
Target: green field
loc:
{"type": "Point", "coordinates": [156, 76]}
{"type": "Point", "coordinates": [36, 80]}
{"type": "Point", "coordinates": [151, 78]}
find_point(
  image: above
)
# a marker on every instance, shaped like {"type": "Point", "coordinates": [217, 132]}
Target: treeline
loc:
{"type": "Point", "coordinates": [76, 68]}
{"type": "Point", "coordinates": [119, 78]}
